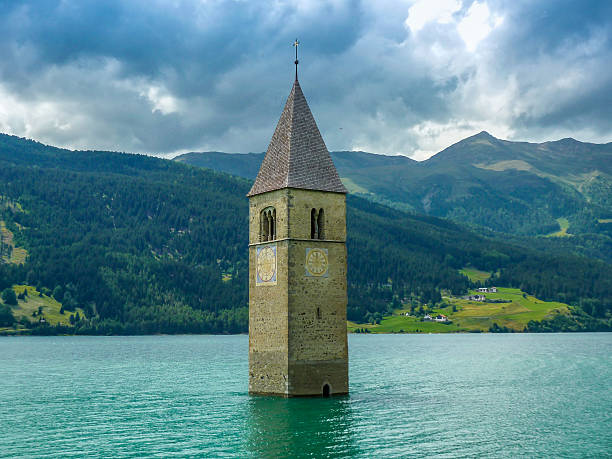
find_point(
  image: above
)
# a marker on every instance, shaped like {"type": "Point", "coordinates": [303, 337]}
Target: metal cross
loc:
{"type": "Point", "coordinates": [296, 43]}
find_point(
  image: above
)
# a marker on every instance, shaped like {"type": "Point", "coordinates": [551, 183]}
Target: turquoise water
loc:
{"type": "Point", "coordinates": [411, 395]}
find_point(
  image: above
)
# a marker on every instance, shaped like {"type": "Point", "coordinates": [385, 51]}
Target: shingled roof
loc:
{"type": "Point", "coordinates": [297, 156]}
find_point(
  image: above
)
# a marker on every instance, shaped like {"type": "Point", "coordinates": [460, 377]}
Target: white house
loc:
{"type": "Point", "coordinates": [427, 317]}
{"type": "Point", "coordinates": [440, 318]}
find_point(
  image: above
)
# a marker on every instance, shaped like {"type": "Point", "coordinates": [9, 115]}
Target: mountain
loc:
{"type": "Point", "coordinates": [517, 188]}
{"type": "Point", "coordinates": [146, 245]}
{"type": "Point", "coordinates": [242, 165]}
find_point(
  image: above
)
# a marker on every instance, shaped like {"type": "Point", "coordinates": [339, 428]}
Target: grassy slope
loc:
{"type": "Point", "coordinates": [564, 226]}
{"type": "Point", "coordinates": [515, 315]}
{"type": "Point", "coordinates": [18, 254]}
{"type": "Point", "coordinates": [473, 315]}
{"type": "Point", "coordinates": [474, 274]}
{"type": "Point", "coordinates": [51, 308]}
{"type": "Point", "coordinates": [352, 186]}
{"type": "Point", "coordinates": [403, 324]}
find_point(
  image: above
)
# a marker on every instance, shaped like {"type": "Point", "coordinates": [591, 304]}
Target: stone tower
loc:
{"type": "Point", "coordinates": [297, 263]}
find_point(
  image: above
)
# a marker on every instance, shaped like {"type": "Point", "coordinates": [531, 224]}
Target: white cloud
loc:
{"type": "Point", "coordinates": [433, 137]}
{"type": "Point", "coordinates": [29, 119]}
{"type": "Point", "coordinates": [477, 24]}
{"type": "Point", "coordinates": [161, 100]}
{"type": "Point", "coordinates": [425, 11]}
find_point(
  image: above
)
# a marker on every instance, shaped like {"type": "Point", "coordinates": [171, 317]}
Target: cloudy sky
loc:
{"type": "Point", "coordinates": [393, 77]}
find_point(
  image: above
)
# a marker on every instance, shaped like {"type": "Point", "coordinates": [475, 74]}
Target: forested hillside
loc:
{"type": "Point", "coordinates": [145, 245]}
{"type": "Point", "coordinates": [517, 188]}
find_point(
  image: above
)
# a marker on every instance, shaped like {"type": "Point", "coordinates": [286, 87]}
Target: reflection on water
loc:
{"type": "Point", "coordinates": [317, 427]}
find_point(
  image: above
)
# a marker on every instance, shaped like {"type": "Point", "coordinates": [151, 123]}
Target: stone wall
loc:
{"type": "Point", "coordinates": [268, 327]}
{"type": "Point", "coordinates": [279, 200]}
{"type": "Point", "coordinates": [293, 209]}
{"type": "Point", "coordinates": [293, 350]}
{"type": "Point", "coordinates": [317, 321]}
{"type": "Point", "coordinates": [301, 202]}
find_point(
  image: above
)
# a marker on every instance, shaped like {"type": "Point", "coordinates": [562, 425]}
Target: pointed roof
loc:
{"type": "Point", "coordinates": [297, 156]}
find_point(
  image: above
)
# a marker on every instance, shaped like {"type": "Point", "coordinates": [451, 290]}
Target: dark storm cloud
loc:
{"type": "Point", "coordinates": [546, 26]}
{"type": "Point", "coordinates": [166, 76]}
{"type": "Point", "coordinates": [149, 38]}
{"type": "Point", "coordinates": [557, 40]}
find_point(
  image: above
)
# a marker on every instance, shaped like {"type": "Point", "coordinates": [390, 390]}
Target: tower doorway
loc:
{"type": "Point", "coordinates": [326, 390]}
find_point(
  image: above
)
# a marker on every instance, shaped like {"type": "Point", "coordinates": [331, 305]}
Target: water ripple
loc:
{"type": "Point", "coordinates": [411, 396]}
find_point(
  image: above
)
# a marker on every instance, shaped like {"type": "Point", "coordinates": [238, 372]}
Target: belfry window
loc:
{"type": "Point", "coordinates": [317, 224]}
{"type": "Point", "coordinates": [321, 224]}
{"type": "Point", "coordinates": [267, 224]}
{"type": "Point", "coordinates": [313, 223]}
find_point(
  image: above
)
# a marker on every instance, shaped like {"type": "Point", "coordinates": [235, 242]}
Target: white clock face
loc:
{"type": "Point", "coordinates": [317, 262]}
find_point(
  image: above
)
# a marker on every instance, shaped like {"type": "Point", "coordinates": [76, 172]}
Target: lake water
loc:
{"type": "Point", "coordinates": [486, 395]}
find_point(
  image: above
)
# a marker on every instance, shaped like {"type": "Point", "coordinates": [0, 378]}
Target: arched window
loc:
{"type": "Point", "coordinates": [267, 224]}
{"type": "Point", "coordinates": [263, 227]}
{"type": "Point", "coordinates": [319, 313]}
{"type": "Point", "coordinates": [317, 224]}
{"type": "Point", "coordinates": [313, 224]}
{"type": "Point", "coordinates": [321, 224]}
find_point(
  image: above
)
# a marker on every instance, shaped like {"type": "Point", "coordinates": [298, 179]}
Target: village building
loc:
{"type": "Point", "coordinates": [297, 263]}
{"type": "Point", "coordinates": [476, 298]}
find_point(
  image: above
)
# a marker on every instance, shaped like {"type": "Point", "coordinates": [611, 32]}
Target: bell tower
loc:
{"type": "Point", "coordinates": [297, 263]}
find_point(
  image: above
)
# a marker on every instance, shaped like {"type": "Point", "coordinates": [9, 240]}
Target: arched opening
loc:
{"type": "Point", "coordinates": [313, 224]}
{"type": "Point", "coordinates": [319, 313]}
{"type": "Point", "coordinates": [273, 224]}
{"type": "Point", "coordinates": [326, 390]}
{"type": "Point", "coordinates": [321, 224]}
{"type": "Point", "coordinates": [317, 224]}
{"type": "Point", "coordinates": [263, 232]}
{"type": "Point", "coordinates": [267, 224]}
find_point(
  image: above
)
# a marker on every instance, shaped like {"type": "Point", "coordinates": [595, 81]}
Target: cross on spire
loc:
{"type": "Point", "coordinates": [296, 43]}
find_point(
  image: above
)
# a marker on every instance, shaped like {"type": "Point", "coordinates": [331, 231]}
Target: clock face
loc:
{"type": "Point", "coordinates": [316, 262]}
{"type": "Point", "coordinates": [266, 264]}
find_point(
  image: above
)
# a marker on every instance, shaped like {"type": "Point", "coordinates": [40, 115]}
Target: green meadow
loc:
{"type": "Point", "coordinates": [29, 306]}
{"type": "Point", "coordinates": [353, 187]}
{"type": "Point", "coordinates": [399, 323]}
{"type": "Point", "coordinates": [472, 316]}
{"type": "Point", "coordinates": [475, 275]}
{"type": "Point", "coordinates": [18, 254]}
{"type": "Point", "coordinates": [564, 226]}
{"type": "Point", "coordinates": [476, 315]}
